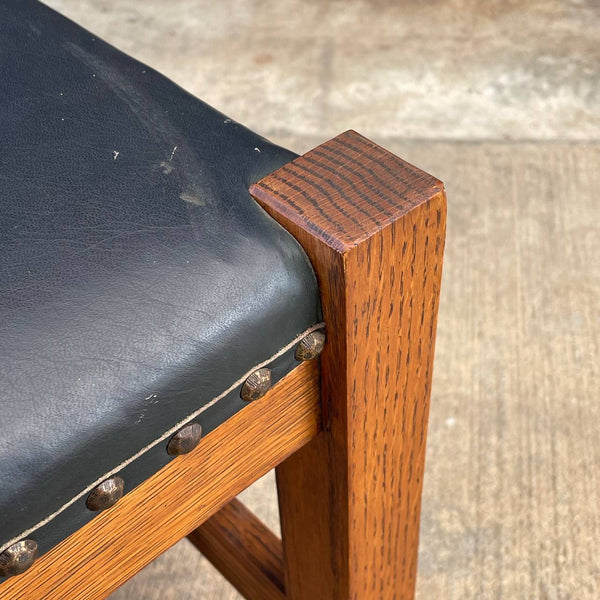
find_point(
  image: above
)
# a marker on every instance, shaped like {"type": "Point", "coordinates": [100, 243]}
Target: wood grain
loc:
{"type": "Point", "coordinates": [119, 542]}
{"type": "Point", "coordinates": [373, 227]}
{"type": "Point", "coordinates": [244, 550]}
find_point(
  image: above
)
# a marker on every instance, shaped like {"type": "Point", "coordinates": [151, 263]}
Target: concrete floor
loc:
{"type": "Point", "coordinates": [435, 69]}
{"type": "Point", "coordinates": [501, 100]}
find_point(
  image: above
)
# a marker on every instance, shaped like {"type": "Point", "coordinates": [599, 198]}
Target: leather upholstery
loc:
{"type": "Point", "coordinates": [138, 279]}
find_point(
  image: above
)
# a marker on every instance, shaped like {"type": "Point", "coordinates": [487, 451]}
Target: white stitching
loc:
{"type": "Point", "coordinates": [163, 437]}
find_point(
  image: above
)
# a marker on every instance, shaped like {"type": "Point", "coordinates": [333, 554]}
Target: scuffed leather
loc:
{"type": "Point", "coordinates": [138, 279]}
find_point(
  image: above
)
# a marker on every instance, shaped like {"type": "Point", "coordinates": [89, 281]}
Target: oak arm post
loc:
{"type": "Point", "coordinates": [373, 227]}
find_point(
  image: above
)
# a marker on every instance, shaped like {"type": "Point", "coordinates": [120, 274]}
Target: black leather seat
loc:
{"type": "Point", "coordinates": [139, 281]}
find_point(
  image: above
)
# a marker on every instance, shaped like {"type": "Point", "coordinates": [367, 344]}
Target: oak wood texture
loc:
{"type": "Point", "coordinates": [374, 228]}
{"type": "Point", "coordinates": [244, 550]}
{"type": "Point", "coordinates": [119, 542]}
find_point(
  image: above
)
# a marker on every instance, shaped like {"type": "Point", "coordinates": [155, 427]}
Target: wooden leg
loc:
{"type": "Point", "coordinates": [373, 227]}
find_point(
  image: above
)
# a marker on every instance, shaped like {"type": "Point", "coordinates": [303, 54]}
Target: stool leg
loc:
{"type": "Point", "coordinates": [373, 227]}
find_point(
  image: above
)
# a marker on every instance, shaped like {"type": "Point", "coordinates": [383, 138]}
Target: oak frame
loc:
{"type": "Point", "coordinates": [119, 542]}
{"type": "Point", "coordinates": [353, 437]}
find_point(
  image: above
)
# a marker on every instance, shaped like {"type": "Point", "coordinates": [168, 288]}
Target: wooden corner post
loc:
{"type": "Point", "coordinates": [373, 227]}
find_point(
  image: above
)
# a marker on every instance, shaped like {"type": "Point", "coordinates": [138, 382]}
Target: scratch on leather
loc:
{"type": "Point", "coordinates": [181, 161]}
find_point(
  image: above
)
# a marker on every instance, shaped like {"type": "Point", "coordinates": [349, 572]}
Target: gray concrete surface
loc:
{"type": "Point", "coordinates": [436, 69]}
{"type": "Point", "coordinates": [501, 101]}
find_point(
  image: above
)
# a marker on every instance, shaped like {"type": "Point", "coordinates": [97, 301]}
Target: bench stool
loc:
{"type": "Point", "coordinates": [185, 306]}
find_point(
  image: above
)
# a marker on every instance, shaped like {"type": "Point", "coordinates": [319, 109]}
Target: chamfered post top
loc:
{"type": "Point", "coordinates": [345, 190]}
